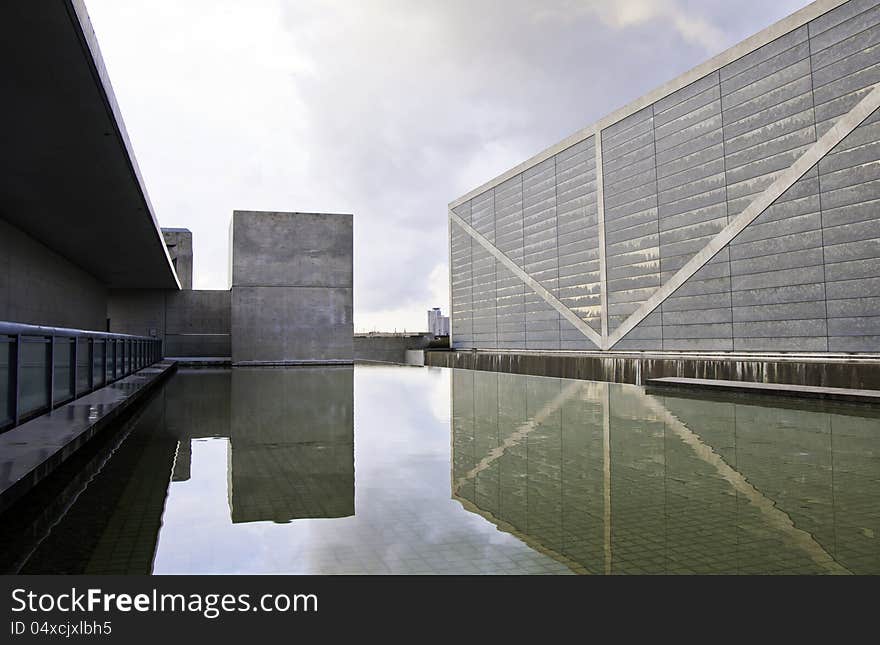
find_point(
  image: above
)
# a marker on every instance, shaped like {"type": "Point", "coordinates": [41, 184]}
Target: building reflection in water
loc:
{"type": "Point", "coordinates": [290, 456]}
{"type": "Point", "coordinates": [232, 470]}
{"type": "Point", "coordinates": [291, 444]}
{"type": "Point", "coordinates": [291, 438]}
{"type": "Point", "coordinates": [608, 479]}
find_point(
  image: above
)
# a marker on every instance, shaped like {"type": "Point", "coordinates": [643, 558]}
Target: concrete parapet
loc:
{"type": "Point", "coordinates": [388, 348]}
{"type": "Point", "coordinates": [819, 370]}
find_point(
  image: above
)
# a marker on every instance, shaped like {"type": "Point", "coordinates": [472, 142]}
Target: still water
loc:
{"type": "Point", "coordinates": [377, 469]}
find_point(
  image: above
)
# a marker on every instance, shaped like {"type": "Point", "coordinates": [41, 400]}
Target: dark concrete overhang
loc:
{"type": "Point", "coordinates": [68, 175]}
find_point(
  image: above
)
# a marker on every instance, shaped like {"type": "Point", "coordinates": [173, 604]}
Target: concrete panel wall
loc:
{"type": "Point", "coordinates": [38, 286]}
{"type": "Point", "coordinates": [389, 349]}
{"type": "Point", "coordinates": [461, 265]}
{"type": "Point", "coordinates": [803, 276]}
{"type": "Point", "coordinates": [577, 223]}
{"type": "Point", "coordinates": [137, 311]}
{"type": "Point", "coordinates": [510, 320]}
{"type": "Point", "coordinates": [191, 323]}
{"type": "Point", "coordinates": [197, 323]}
{"type": "Point", "coordinates": [291, 287]}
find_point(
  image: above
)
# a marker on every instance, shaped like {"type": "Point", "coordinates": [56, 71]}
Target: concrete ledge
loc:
{"type": "Point", "coordinates": [291, 363]}
{"type": "Point", "coordinates": [772, 389]}
{"type": "Point", "coordinates": [860, 372]}
{"type": "Point", "coordinates": [202, 361]}
{"type": "Point", "coordinates": [31, 451]}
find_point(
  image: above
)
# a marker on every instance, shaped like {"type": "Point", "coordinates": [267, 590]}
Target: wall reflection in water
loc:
{"type": "Point", "coordinates": [289, 444]}
{"type": "Point", "coordinates": [608, 479]}
{"type": "Point", "coordinates": [291, 438]}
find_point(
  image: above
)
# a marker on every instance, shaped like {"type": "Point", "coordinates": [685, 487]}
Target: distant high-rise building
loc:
{"type": "Point", "coordinates": [438, 324]}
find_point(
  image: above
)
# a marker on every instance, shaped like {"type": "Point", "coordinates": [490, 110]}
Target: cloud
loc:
{"type": "Point", "coordinates": [387, 109]}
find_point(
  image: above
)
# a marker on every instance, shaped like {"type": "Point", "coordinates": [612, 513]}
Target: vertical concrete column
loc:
{"type": "Point", "coordinates": [292, 286]}
{"type": "Point", "coordinates": [180, 248]}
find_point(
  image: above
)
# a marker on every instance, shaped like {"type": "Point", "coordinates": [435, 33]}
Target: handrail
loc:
{"type": "Point", "coordinates": [14, 328]}
{"type": "Point", "coordinates": [45, 367]}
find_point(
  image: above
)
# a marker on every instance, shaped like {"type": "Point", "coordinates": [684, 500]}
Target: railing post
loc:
{"type": "Point", "coordinates": [52, 372]}
{"type": "Point", "coordinates": [16, 374]}
{"type": "Point", "coordinates": [75, 363]}
{"type": "Point", "coordinates": [91, 344]}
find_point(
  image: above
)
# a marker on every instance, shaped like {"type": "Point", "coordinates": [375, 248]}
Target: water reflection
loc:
{"type": "Point", "coordinates": [253, 471]}
{"type": "Point", "coordinates": [290, 434]}
{"type": "Point", "coordinates": [609, 479]}
{"type": "Point", "coordinates": [258, 471]}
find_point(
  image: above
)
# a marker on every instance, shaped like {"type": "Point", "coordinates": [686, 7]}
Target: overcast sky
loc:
{"type": "Point", "coordinates": [388, 109]}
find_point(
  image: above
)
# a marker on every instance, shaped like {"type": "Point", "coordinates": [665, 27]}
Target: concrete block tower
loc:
{"type": "Point", "coordinates": [292, 285]}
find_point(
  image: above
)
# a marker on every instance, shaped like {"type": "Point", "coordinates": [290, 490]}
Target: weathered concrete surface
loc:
{"type": "Point", "coordinates": [180, 249]}
{"type": "Point", "coordinates": [291, 249]}
{"type": "Point", "coordinates": [197, 323]}
{"type": "Point", "coordinates": [191, 323]}
{"type": "Point", "coordinates": [137, 311]}
{"type": "Point", "coordinates": [39, 287]}
{"type": "Point", "coordinates": [31, 451]}
{"type": "Point", "coordinates": [387, 348]}
{"type": "Point", "coordinates": [637, 367]}
{"type": "Point", "coordinates": [292, 284]}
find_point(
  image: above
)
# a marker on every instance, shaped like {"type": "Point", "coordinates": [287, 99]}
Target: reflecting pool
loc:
{"type": "Point", "coordinates": [384, 469]}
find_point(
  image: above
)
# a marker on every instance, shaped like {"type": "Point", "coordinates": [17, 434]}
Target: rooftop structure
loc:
{"type": "Point", "coordinates": [731, 209]}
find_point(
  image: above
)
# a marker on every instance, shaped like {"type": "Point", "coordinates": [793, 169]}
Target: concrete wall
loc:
{"type": "Point", "coordinates": [292, 285]}
{"type": "Point", "coordinates": [648, 190]}
{"type": "Point", "coordinates": [38, 286]}
{"type": "Point", "coordinates": [137, 311]}
{"type": "Point", "coordinates": [197, 323]}
{"type": "Point", "coordinates": [191, 323]}
{"type": "Point", "coordinates": [388, 349]}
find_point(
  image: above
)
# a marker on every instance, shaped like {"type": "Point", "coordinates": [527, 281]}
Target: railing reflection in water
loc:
{"type": "Point", "coordinates": [44, 367]}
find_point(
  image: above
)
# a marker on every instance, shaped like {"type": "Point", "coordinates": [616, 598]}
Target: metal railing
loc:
{"type": "Point", "coordinates": [44, 367]}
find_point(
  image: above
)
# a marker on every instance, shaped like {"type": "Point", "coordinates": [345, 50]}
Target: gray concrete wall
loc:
{"type": "Point", "coordinates": [197, 323]}
{"type": "Point", "coordinates": [292, 284]}
{"type": "Point", "coordinates": [191, 323]}
{"type": "Point", "coordinates": [388, 349]}
{"type": "Point", "coordinates": [803, 276]}
{"type": "Point", "coordinates": [137, 311]}
{"type": "Point", "coordinates": [38, 286]}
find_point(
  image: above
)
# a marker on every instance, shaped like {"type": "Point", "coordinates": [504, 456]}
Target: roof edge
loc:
{"type": "Point", "coordinates": [80, 19]}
